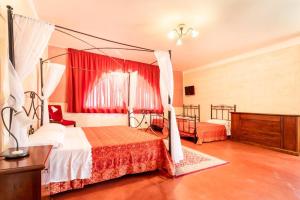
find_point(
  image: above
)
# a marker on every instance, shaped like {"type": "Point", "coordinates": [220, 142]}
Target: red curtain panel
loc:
{"type": "Point", "coordinates": [99, 84]}
{"type": "Point", "coordinates": [96, 83]}
{"type": "Point", "coordinates": [148, 91]}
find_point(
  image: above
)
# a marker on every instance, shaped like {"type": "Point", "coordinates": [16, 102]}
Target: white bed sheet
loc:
{"type": "Point", "coordinates": [74, 159]}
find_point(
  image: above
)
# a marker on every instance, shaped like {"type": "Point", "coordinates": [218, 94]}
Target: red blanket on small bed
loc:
{"type": "Point", "coordinates": [206, 132]}
{"type": "Point", "coordinates": [117, 151]}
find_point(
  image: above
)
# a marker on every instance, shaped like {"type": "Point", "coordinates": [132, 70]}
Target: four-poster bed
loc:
{"type": "Point", "coordinates": [156, 152]}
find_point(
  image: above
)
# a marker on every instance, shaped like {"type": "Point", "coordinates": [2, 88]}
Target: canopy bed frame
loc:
{"type": "Point", "coordinates": [159, 156]}
{"type": "Point", "coordinates": [127, 47]}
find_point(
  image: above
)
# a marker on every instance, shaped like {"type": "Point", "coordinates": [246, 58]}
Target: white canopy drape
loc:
{"type": "Point", "coordinates": [132, 95]}
{"type": "Point", "coordinates": [30, 40]}
{"type": "Point", "coordinates": [53, 75]}
{"type": "Point", "coordinates": [166, 91]}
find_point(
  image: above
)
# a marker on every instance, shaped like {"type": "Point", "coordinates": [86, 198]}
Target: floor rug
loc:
{"type": "Point", "coordinates": [195, 161]}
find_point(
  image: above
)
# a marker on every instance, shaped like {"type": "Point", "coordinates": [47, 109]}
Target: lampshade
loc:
{"type": "Point", "coordinates": [194, 33]}
{"type": "Point", "coordinates": [23, 120]}
{"type": "Point", "coordinates": [179, 42]}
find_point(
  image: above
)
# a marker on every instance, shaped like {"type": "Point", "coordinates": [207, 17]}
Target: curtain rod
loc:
{"type": "Point", "coordinates": [107, 40]}
{"type": "Point", "coordinates": [100, 48]}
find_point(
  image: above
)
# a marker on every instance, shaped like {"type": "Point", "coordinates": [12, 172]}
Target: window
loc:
{"type": "Point", "coordinates": [99, 84]}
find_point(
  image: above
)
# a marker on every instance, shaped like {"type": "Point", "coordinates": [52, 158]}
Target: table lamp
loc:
{"type": "Point", "coordinates": [17, 152]}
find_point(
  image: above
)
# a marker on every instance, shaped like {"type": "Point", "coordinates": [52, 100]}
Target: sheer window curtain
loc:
{"type": "Point", "coordinates": [147, 98]}
{"type": "Point", "coordinates": [53, 74]}
{"type": "Point", "coordinates": [133, 77]}
{"type": "Point", "coordinates": [167, 89]}
{"type": "Point", "coordinates": [31, 38]}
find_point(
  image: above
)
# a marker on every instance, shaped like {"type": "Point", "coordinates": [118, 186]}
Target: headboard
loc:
{"type": "Point", "coordinates": [221, 111]}
{"type": "Point", "coordinates": [33, 108]}
{"type": "Point", "coordinates": [192, 111]}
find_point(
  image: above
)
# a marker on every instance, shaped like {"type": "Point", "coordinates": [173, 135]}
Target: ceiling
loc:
{"type": "Point", "coordinates": [226, 27]}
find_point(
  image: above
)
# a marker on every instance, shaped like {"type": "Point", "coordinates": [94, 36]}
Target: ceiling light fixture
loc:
{"type": "Point", "coordinates": [182, 31]}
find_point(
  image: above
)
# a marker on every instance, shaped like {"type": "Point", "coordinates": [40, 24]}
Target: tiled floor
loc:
{"type": "Point", "coordinates": [253, 173]}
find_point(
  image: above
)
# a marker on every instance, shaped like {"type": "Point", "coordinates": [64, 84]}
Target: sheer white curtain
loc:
{"type": "Point", "coordinates": [132, 96]}
{"type": "Point", "coordinates": [166, 90]}
{"type": "Point", "coordinates": [53, 74]}
{"type": "Point", "coordinates": [16, 100]}
{"type": "Point", "coordinates": [31, 38]}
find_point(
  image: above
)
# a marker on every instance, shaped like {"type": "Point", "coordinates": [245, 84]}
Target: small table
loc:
{"type": "Point", "coordinates": [26, 178]}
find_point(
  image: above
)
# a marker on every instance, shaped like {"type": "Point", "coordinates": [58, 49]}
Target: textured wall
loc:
{"type": "Point", "coordinates": [266, 83]}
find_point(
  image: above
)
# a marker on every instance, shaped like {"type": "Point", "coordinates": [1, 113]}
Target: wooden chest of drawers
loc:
{"type": "Point", "coordinates": [26, 178]}
{"type": "Point", "coordinates": [278, 132]}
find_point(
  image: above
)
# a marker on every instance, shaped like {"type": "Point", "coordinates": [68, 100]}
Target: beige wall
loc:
{"type": "Point", "coordinates": [265, 83]}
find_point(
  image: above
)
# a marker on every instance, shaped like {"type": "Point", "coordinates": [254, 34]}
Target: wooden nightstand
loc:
{"type": "Point", "coordinates": [26, 178]}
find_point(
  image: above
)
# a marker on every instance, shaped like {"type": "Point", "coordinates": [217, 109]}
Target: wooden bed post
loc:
{"type": "Point", "coordinates": [169, 116]}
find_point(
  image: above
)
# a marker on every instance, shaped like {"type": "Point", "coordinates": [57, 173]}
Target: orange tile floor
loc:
{"type": "Point", "coordinates": [253, 173]}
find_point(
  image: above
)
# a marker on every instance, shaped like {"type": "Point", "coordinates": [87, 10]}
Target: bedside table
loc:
{"type": "Point", "coordinates": [26, 178]}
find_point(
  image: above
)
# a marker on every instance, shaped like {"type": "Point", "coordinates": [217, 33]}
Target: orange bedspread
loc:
{"type": "Point", "coordinates": [117, 151]}
{"type": "Point", "coordinates": [206, 132]}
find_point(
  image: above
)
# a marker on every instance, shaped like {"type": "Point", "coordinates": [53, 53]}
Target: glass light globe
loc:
{"type": "Point", "coordinates": [172, 34]}
{"type": "Point", "coordinates": [194, 33]}
{"type": "Point", "coordinates": [179, 42]}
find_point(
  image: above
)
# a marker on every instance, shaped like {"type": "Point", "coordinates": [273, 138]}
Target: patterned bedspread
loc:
{"type": "Point", "coordinates": [117, 151]}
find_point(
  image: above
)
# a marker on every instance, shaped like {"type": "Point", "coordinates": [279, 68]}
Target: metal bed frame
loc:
{"type": "Point", "coordinates": [191, 115]}
{"type": "Point", "coordinates": [223, 110]}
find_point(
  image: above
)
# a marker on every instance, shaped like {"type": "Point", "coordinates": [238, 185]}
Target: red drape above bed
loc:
{"type": "Point", "coordinates": [99, 84]}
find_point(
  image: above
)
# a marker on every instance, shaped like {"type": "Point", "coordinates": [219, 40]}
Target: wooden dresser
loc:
{"type": "Point", "coordinates": [278, 132]}
{"type": "Point", "coordinates": [26, 178]}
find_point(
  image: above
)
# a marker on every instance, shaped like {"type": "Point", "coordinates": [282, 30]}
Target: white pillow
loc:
{"type": "Point", "coordinates": [49, 134]}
